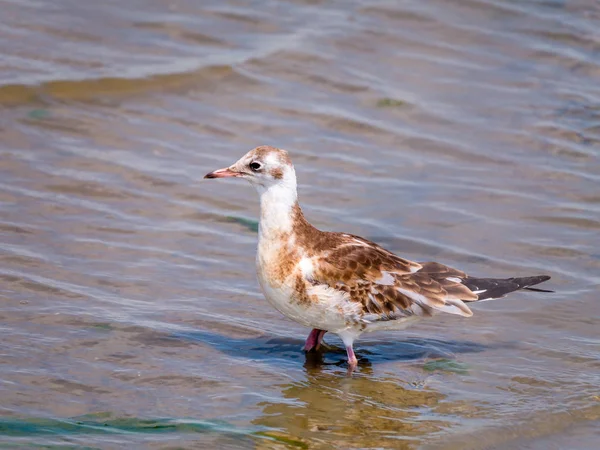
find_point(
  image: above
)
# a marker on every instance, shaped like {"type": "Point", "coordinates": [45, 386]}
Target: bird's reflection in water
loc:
{"type": "Point", "coordinates": [361, 411]}
{"type": "Point", "coordinates": [386, 402]}
{"type": "Point", "coordinates": [364, 410]}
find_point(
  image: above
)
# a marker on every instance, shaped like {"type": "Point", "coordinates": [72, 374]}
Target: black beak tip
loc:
{"type": "Point", "coordinates": [210, 175]}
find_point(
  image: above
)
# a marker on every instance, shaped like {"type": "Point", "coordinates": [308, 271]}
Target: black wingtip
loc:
{"type": "Point", "coordinates": [532, 281]}
{"type": "Point", "coordinates": [538, 290]}
{"type": "Point", "coordinates": [491, 288]}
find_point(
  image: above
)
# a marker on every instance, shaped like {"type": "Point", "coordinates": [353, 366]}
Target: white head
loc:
{"type": "Point", "coordinates": [272, 174]}
{"type": "Point", "coordinates": [265, 167]}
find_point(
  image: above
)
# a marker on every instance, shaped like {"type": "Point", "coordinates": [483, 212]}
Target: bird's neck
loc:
{"type": "Point", "coordinates": [278, 210]}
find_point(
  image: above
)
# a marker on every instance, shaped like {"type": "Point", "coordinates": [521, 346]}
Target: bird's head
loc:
{"type": "Point", "coordinates": [264, 167]}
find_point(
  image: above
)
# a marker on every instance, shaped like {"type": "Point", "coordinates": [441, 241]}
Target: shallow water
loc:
{"type": "Point", "coordinates": [463, 132]}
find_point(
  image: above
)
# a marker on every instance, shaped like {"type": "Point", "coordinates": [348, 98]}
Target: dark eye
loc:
{"type": "Point", "coordinates": [255, 166]}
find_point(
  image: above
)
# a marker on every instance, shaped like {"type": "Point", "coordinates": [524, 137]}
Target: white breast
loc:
{"type": "Point", "coordinates": [329, 309]}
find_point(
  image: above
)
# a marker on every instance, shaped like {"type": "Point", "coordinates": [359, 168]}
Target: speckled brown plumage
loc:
{"type": "Point", "coordinates": [261, 152]}
{"type": "Point", "coordinates": [374, 277]}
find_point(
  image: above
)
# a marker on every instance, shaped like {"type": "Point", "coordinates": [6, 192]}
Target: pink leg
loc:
{"type": "Point", "coordinates": [320, 338]}
{"type": "Point", "coordinates": [348, 339]}
{"type": "Point", "coordinates": [352, 361]}
{"type": "Point", "coordinates": [313, 341]}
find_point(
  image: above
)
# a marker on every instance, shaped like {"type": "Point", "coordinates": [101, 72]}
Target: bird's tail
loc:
{"type": "Point", "coordinates": [493, 288]}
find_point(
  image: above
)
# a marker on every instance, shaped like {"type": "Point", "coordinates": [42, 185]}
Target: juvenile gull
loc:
{"type": "Point", "coordinates": [343, 283]}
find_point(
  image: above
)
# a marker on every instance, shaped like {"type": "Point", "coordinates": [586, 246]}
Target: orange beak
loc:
{"type": "Point", "coordinates": [222, 173]}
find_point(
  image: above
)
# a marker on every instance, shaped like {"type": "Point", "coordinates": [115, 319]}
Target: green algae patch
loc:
{"type": "Point", "coordinates": [102, 423]}
{"type": "Point", "coordinates": [102, 326]}
{"type": "Point", "coordinates": [446, 365]}
{"type": "Point", "coordinates": [38, 114]}
{"type": "Point", "coordinates": [250, 224]}
{"type": "Point", "coordinates": [390, 103]}
{"type": "Point", "coordinates": [282, 439]}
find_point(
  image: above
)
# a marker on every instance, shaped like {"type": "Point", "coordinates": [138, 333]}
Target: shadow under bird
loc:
{"type": "Point", "coordinates": [340, 282]}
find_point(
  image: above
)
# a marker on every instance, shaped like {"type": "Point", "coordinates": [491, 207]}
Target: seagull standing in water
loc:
{"type": "Point", "coordinates": [341, 283]}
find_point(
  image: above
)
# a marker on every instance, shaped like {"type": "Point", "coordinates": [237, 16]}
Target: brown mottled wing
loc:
{"type": "Point", "coordinates": [387, 286]}
{"type": "Point", "coordinates": [355, 257]}
{"type": "Point", "coordinates": [450, 279]}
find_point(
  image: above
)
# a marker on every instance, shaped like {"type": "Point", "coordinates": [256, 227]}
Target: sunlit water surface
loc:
{"type": "Point", "coordinates": [466, 132]}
